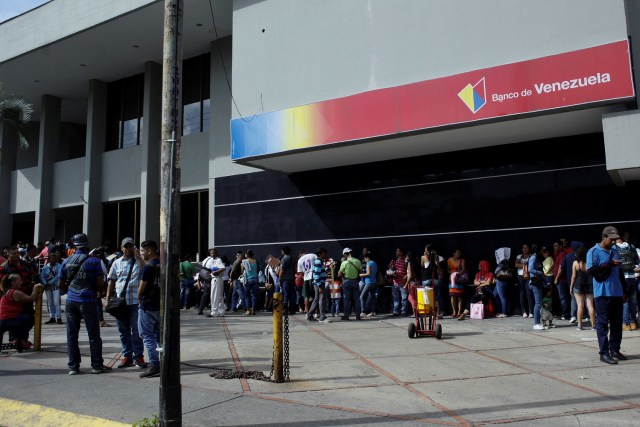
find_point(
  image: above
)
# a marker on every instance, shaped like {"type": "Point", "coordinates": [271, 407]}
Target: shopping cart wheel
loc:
{"type": "Point", "coordinates": [439, 331]}
{"type": "Point", "coordinates": [412, 330]}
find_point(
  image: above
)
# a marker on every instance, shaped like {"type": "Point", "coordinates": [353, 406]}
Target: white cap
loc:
{"type": "Point", "coordinates": [346, 251]}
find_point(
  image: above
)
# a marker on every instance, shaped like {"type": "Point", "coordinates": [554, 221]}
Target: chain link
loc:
{"type": "Point", "coordinates": [258, 375]}
{"type": "Point", "coordinates": [286, 343]}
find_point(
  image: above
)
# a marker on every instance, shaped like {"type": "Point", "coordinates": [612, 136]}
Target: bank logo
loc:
{"type": "Point", "coordinates": [474, 97]}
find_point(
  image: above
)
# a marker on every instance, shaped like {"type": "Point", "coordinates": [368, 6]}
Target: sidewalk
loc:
{"type": "Point", "coordinates": [494, 371]}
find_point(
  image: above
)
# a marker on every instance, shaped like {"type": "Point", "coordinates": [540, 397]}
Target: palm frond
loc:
{"type": "Point", "coordinates": [12, 102]}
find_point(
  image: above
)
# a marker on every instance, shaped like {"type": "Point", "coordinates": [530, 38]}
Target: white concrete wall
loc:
{"type": "Point", "coordinates": [24, 190]}
{"type": "Point", "coordinates": [194, 162]}
{"type": "Point", "coordinates": [121, 174]}
{"type": "Point", "coordinates": [68, 183]}
{"type": "Point", "coordinates": [317, 50]}
{"type": "Point", "coordinates": [56, 20]}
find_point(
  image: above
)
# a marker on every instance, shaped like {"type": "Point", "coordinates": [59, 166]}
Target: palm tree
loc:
{"type": "Point", "coordinates": [24, 110]}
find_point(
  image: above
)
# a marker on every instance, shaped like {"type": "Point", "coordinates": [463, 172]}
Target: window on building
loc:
{"type": "Point", "coordinates": [195, 94]}
{"type": "Point", "coordinates": [124, 112]}
{"type": "Point", "coordinates": [194, 223]}
{"type": "Point", "coordinates": [120, 220]}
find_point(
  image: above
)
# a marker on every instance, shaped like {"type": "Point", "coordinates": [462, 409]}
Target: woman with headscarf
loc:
{"type": "Point", "coordinates": [483, 281]}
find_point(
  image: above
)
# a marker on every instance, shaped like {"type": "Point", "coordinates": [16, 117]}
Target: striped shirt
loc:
{"type": "Point", "coordinates": [120, 271]}
{"type": "Point", "coordinates": [319, 272]}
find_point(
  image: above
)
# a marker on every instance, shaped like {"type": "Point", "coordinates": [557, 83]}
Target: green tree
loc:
{"type": "Point", "coordinates": [23, 108]}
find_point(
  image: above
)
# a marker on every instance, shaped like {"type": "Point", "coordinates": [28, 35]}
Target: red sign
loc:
{"type": "Point", "coordinates": [592, 75]}
{"type": "Point", "coordinates": [597, 74]}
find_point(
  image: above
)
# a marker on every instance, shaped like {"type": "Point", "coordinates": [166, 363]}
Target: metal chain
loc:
{"type": "Point", "coordinates": [285, 366]}
{"type": "Point", "coordinates": [258, 375]}
{"type": "Point", "coordinates": [227, 375]}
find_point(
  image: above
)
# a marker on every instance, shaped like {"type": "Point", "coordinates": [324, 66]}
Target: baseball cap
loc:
{"type": "Point", "coordinates": [127, 240]}
{"type": "Point", "coordinates": [611, 232]}
{"type": "Point", "coordinates": [346, 251]}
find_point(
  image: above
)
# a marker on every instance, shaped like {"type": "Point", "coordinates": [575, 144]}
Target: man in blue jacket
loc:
{"type": "Point", "coordinates": [603, 262]}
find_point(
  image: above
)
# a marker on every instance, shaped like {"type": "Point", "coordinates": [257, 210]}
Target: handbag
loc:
{"type": "Point", "coordinates": [462, 278]}
{"type": "Point", "coordinates": [117, 305]}
{"type": "Point", "coordinates": [477, 311]}
{"type": "Point", "coordinates": [261, 277]}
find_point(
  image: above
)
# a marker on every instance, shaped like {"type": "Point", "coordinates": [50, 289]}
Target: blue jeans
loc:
{"type": "Point", "coordinates": [400, 302]}
{"type": "Point", "coordinates": [251, 287]}
{"type": "Point", "coordinates": [500, 296]}
{"type": "Point", "coordinates": [565, 298]}
{"type": "Point", "coordinates": [318, 302]}
{"type": "Point", "coordinates": [630, 308]}
{"type": "Point", "coordinates": [129, 338]}
{"type": "Point", "coordinates": [368, 297]}
{"type": "Point", "coordinates": [289, 295]}
{"type": "Point", "coordinates": [53, 303]}
{"type": "Point", "coordinates": [149, 327]}
{"type": "Point", "coordinates": [351, 293]}
{"type": "Point", "coordinates": [609, 312]}
{"type": "Point", "coordinates": [335, 306]}
{"type": "Point", "coordinates": [526, 296]}
{"type": "Point", "coordinates": [186, 285]}
{"type": "Point", "coordinates": [237, 295]}
{"type": "Point", "coordinates": [537, 290]}
{"type": "Point", "coordinates": [75, 312]}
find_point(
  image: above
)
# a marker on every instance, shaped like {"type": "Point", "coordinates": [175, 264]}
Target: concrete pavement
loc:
{"type": "Point", "coordinates": [493, 371]}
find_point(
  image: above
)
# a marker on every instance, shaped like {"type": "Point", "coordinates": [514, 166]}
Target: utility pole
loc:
{"type": "Point", "coordinates": [170, 387]}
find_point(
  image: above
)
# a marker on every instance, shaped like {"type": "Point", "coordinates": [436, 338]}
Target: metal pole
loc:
{"type": "Point", "coordinates": [278, 375]}
{"type": "Point", "coordinates": [37, 329]}
{"type": "Point", "coordinates": [170, 388]}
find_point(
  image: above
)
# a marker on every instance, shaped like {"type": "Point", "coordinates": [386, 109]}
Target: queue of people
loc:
{"type": "Point", "coordinates": [566, 281]}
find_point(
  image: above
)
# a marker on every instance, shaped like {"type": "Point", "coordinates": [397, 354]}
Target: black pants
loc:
{"type": "Point", "coordinates": [609, 311]}
{"type": "Point", "coordinates": [205, 300]}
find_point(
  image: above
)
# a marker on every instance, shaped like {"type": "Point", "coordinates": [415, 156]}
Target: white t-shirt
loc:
{"type": "Point", "coordinates": [305, 265]}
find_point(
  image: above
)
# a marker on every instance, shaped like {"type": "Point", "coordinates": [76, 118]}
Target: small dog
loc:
{"type": "Point", "coordinates": [546, 316]}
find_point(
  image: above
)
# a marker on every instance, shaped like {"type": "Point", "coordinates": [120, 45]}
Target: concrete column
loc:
{"type": "Point", "coordinates": [96, 134]}
{"type": "Point", "coordinates": [48, 143]}
{"type": "Point", "coordinates": [219, 132]}
{"type": "Point", "coordinates": [9, 144]}
{"type": "Point", "coordinates": [150, 157]}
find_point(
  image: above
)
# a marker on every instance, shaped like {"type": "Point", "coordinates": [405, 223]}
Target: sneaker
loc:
{"type": "Point", "coordinates": [573, 320]}
{"type": "Point", "coordinates": [578, 328]}
{"type": "Point", "coordinates": [538, 327]}
{"type": "Point", "coordinates": [563, 318]}
{"type": "Point", "coordinates": [50, 321]}
{"type": "Point", "coordinates": [151, 371]}
{"type": "Point", "coordinates": [525, 315]}
{"type": "Point", "coordinates": [100, 369]}
{"type": "Point", "coordinates": [371, 315]}
{"type": "Point", "coordinates": [633, 325]}
{"type": "Point", "coordinates": [126, 362]}
{"type": "Point", "coordinates": [140, 363]}
{"type": "Point", "coordinates": [531, 316]}
{"type": "Point", "coordinates": [626, 328]}
{"type": "Point", "coordinates": [59, 321]}
{"type": "Point", "coordinates": [315, 316]}
{"type": "Point", "coordinates": [324, 320]}
{"type": "Point", "coordinates": [74, 371]}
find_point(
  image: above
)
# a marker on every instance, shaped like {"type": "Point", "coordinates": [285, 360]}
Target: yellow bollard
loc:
{"type": "Point", "coordinates": [278, 375]}
{"type": "Point", "coordinates": [37, 326]}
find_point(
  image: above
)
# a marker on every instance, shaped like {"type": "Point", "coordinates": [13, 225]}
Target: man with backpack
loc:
{"type": "Point", "coordinates": [149, 306]}
{"type": "Point", "coordinates": [81, 275]}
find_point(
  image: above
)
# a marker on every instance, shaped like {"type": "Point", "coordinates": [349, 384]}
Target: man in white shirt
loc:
{"type": "Point", "coordinates": [305, 265]}
{"type": "Point", "coordinates": [215, 264]}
